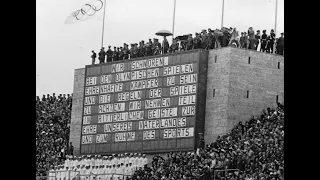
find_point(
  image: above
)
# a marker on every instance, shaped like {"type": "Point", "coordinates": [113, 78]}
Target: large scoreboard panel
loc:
{"type": "Point", "coordinates": [150, 104]}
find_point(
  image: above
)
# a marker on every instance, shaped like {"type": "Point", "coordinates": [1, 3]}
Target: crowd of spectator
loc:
{"type": "Point", "coordinates": [255, 148]}
{"type": "Point", "coordinates": [53, 115]}
{"type": "Point", "coordinates": [98, 167]}
{"type": "Point", "coordinates": [210, 39]}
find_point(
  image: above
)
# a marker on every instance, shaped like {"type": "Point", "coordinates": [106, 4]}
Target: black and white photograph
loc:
{"type": "Point", "coordinates": [160, 90]}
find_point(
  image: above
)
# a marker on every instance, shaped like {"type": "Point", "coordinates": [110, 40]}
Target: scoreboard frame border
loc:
{"type": "Point", "coordinates": [201, 99]}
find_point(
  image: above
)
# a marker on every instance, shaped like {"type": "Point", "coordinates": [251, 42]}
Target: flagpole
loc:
{"type": "Point", "coordinates": [275, 25]}
{"type": "Point", "coordinates": [104, 15]}
{"type": "Point", "coordinates": [222, 13]}
{"type": "Point", "coordinates": [174, 15]}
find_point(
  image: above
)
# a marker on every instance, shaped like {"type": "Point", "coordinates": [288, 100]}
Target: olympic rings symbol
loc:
{"type": "Point", "coordinates": [88, 9]}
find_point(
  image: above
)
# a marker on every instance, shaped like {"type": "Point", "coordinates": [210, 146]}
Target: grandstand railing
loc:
{"type": "Point", "coordinates": [77, 176]}
{"type": "Point", "coordinates": [223, 170]}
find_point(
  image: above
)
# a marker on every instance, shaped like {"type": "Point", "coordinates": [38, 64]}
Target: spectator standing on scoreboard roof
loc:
{"type": "Point", "coordinates": [121, 53]}
{"type": "Point", "coordinates": [189, 42]}
{"type": "Point", "coordinates": [114, 54]}
{"type": "Point", "coordinates": [131, 51]}
{"type": "Point", "coordinates": [211, 39]}
{"type": "Point", "coordinates": [196, 42]}
{"type": "Point", "coordinates": [126, 51]}
{"type": "Point", "coordinates": [174, 46]}
{"type": "Point", "coordinates": [251, 38]}
{"type": "Point", "coordinates": [246, 41]}
{"type": "Point", "coordinates": [102, 55]}
{"type": "Point", "coordinates": [165, 45]}
{"type": "Point", "coordinates": [270, 41]}
{"type": "Point", "coordinates": [264, 37]}
{"type": "Point", "coordinates": [109, 54]}
{"type": "Point", "coordinates": [280, 44]}
{"type": "Point", "coordinates": [257, 38]}
{"type": "Point", "coordinates": [234, 39]}
{"type": "Point", "coordinates": [93, 57]}
{"type": "Point", "coordinates": [204, 39]}
{"type": "Point", "coordinates": [142, 49]}
{"type": "Point", "coordinates": [135, 51]}
{"type": "Point", "coordinates": [148, 48]}
{"type": "Point", "coordinates": [156, 46]}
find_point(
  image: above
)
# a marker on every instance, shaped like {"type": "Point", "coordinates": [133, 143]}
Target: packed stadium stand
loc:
{"type": "Point", "coordinates": [253, 150]}
{"type": "Point", "coordinates": [53, 116]}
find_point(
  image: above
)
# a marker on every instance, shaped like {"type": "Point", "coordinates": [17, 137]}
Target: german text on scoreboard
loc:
{"type": "Point", "coordinates": [143, 105]}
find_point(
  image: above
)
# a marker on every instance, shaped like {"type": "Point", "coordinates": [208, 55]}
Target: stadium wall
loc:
{"type": "Point", "coordinates": [237, 88]}
{"type": "Point", "coordinates": [77, 108]}
{"type": "Point", "coordinates": [234, 74]}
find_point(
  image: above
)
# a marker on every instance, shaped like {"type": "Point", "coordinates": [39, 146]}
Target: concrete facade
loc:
{"type": "Point", "coordinates": [231, 79]}
{"type": "Point", "coordinates": [77, 107]}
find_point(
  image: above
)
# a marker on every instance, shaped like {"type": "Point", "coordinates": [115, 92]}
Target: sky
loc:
{"type": "Point", "coordinates": [61, 48]}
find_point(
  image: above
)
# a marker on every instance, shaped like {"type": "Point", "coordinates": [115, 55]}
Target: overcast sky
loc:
{"type": "Point", "coordinates": [62, 48]}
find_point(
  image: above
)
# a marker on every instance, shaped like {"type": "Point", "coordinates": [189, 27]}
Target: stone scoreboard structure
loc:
{"type": "Point", "coordinates": [144, 105]}
{"type": "Point", "coordinates": [161, 103]}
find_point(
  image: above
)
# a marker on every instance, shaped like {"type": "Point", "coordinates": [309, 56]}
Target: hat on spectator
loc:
{"type": "Point", "coordinates": [282, 33]}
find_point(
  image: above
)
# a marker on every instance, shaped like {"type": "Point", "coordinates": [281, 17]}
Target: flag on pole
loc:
{"type": "Point", "coordinates": [88, 11]}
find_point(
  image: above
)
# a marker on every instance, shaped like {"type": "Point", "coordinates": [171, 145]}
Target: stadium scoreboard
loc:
{"type": "Point", "coordinates": [150, 104]}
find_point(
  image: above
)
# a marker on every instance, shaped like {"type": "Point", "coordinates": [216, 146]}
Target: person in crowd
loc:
{"type": "Point", "coordinates": [246, 41]}
{"type": "Point", "coordinates": [93, 57]}
{"type": "Point", "coordinates": [102, 55]}
{"type": "Point", "coordinates": [131, 52]}
{"type": "Point", "coordinates": [189, 42]}
{"type": "Point", "coordinates": [204, 39]}
{"type": "Point", "coordinates": [196, 42]}
{"type": "Point", "coordinates": [142, 50]}
{"type": "Point", "coordinates": [165, 45]}
{"type": "Point", "coordinates": [211, 40]}
{"type": "Point", "coordinates": [280, 44]}
{"type": "Point", "coordinates": [174, 46]}
{"type": "Point", "coordinates": [121, 53]}
{"type": "Point", "coordinates": [225, 37]}
{"type": "Point", "coordinates": [126, 51]}
{"type": "Point", "coordinates": [270, 41]}
{"type": "Point", "coordinates": [242, 40]}
{"type": "Point", "coordinates": [148, 48]}
{"type": "Point", "coordinates": [156, 48]}
{"type": "Point", "coordinates": [109, 54]}
{"type": "Point", "coordinates": [257, 39]}
{"type": "Point", "coordinates": [115, 55]}
{"type": "Point", "coordinates": [251, 38]}
{"type": "Point", "coordinates": [263, 46]}
{"type": "Point", "coordinates": [234, 39]}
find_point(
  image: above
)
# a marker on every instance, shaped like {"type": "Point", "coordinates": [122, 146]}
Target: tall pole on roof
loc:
{"type": "Point", "coordinates": [104, 15]}
{"type": "Point", "coordinates": [275, 26]}
{"type": "Point", "coordinates": [222, 13]}
{"type": "Point", "coordinates": [174, 15]}
{"type": "Point", "coordinates": [275, 22]}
